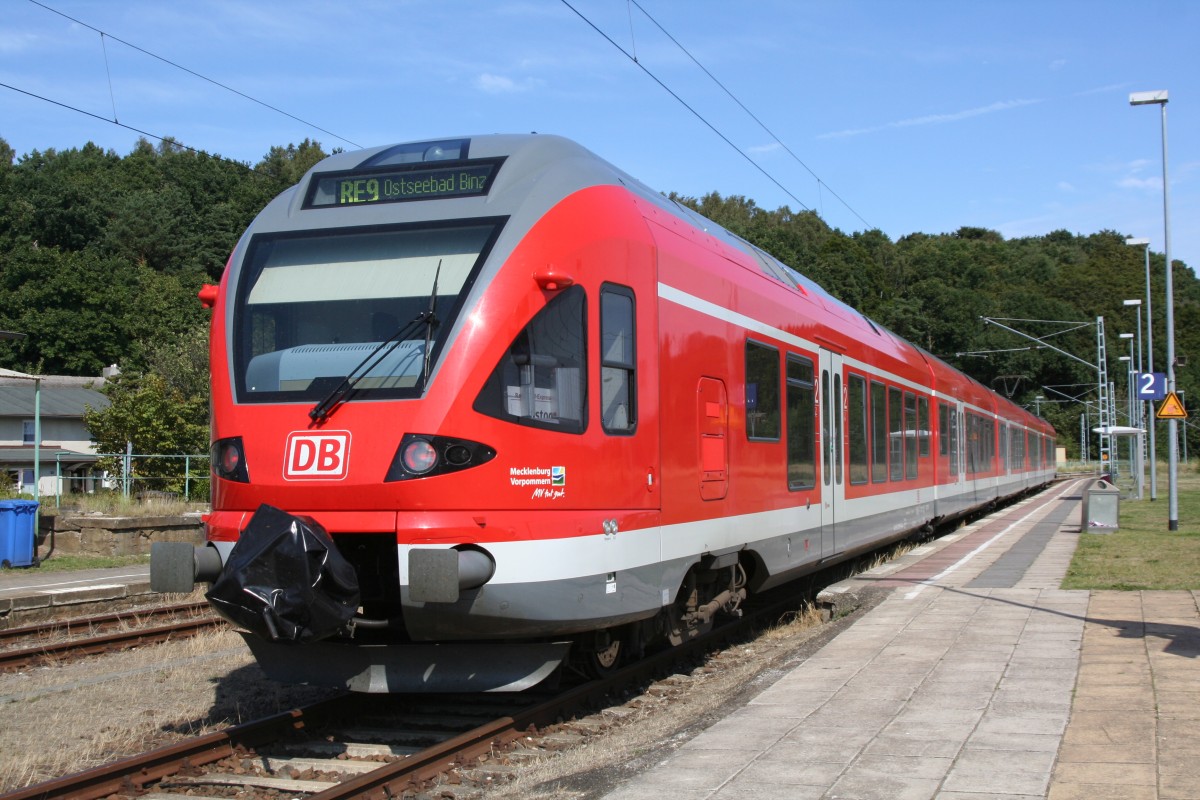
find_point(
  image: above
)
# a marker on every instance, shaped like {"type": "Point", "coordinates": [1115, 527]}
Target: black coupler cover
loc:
{"type": "Point", "coordinates": [285, 581]}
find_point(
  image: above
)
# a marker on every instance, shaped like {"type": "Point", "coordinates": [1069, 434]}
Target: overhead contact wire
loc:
{"type": "Point", "coordinates": [684, 103]}
{"type": "Point", "coordinates": [751, 114]}
{"type": "Point", "coordinates": [195, 74]}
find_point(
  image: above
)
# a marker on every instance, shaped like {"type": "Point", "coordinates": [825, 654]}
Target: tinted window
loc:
{"type": "Point", "coordinates": [762, 392]}
{"type": "Point", "coordinates": [540, 380]}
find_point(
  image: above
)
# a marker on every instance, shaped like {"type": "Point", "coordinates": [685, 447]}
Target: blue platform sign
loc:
{"type": "Point", "coordinates": [1151, 385]}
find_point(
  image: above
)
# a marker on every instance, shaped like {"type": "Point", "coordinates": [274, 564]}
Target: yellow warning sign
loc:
{"type": "Point", "coordinates": [1171, 408]}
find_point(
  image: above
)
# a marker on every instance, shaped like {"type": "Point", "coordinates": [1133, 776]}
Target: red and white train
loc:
{"type": "Point", "coordinates": [538, 408]}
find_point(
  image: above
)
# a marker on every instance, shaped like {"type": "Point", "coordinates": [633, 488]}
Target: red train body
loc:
{"type": "Point", "coordinates": [586, 416]}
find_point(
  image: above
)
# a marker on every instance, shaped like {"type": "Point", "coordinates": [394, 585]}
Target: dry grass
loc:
{"type": "Point", "coordinates": [62, 719]}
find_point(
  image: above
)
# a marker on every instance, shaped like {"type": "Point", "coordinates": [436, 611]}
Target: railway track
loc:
{"type": "Point", "coordinates": [371, 746]}
{"type": "Point", "coordinates": [397, 747]}
{"type": "Point", "coordinates": [51, 642]}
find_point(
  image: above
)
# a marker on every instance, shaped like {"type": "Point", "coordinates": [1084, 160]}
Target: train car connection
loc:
{"type": "Point", "coordinates": [481, 405]}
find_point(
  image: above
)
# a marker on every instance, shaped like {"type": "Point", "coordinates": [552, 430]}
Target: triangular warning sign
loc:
{"type": "Point", "coordinates": [1171, 408]}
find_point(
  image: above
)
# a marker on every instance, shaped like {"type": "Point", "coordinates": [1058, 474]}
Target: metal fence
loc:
{"type": "Point", "coordinates": [184, 476]}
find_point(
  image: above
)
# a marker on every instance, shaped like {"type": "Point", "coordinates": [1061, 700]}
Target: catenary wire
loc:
{"type": "Point", "coordinates": [193, 73]}
{"type": "Point", "coordinates": [174, 142]}
{"type": "Point", "coordinates": [684, 103]}
{"type": "Point", "coordinates": [820, 183]}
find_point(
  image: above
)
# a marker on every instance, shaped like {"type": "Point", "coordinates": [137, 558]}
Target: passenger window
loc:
{"type": "Point", "coordinates": [923, 425]}
{"type": "Point", "coordinates": [540, 381]}
{"type": "Point", "coordinates": [618, 360]}
{"type": "Point", "coordinates": [879, 432]}
{"type": "Point", "coordinates": [801, 446]}
{"type": "Point", "coordinates": [762, 392]}
{"type": "Point", "coordinates": [858, 428]}
{"type": "Point", "coordinates": [895, 434]}
{"type": "Point", "coordinates": [910, 434]}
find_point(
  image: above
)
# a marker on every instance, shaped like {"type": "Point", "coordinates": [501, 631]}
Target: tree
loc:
{"type": "Point", "coordinates": [156, 421]}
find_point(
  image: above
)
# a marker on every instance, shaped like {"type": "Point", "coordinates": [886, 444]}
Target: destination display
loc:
{"type": "Point", "coordinates": [394, 185]}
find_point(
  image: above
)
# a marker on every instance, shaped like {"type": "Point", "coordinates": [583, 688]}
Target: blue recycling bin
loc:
{"type": "Point", "coordinates": [17, 533]}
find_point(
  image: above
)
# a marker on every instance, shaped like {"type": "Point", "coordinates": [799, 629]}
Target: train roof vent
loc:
{"type": "Point", "coordinates": [418, 152]}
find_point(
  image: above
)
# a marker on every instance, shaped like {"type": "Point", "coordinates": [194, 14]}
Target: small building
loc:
{"type": "Point", "coordinates": [67, 461]}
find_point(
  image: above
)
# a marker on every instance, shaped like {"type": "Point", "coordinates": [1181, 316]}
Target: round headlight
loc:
{"type": "Point", "coordinates": [230, 458]}
{"type": "Point", "coordinates": [419, 456]}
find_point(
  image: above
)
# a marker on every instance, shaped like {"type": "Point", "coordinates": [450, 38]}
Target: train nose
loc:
{"type": "Point", "coordinates": [439, 575]}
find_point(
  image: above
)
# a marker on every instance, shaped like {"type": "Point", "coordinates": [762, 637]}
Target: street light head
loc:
{"type": "Point", "coordinates": [1158, 97]}
{"type": "Point", "coordinates": [1125, 335]}
{"type": "Point", "coordinates": [1125, 358]}
{"type": "Point", "coordinates": [1137, 302]}
{"type": "Point", "coordinates": [1138, 242]}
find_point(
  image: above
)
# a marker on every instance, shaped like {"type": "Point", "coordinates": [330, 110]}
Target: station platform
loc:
{"type": "Point", "coordinates": [975, 678]}
{"type": "Point", "coordinates": [36, 594]}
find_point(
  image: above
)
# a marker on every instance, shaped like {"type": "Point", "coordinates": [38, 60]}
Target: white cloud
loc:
{"type": "Point", "coordinates": [1063, 186]}
{"type": "Point", "coordinates": [1058, 64]}
{"type": "Point", "coordinates": [934, 119]}
{"type": "Point", "coordinates": [501, 84]}
{"type": "Point", "coordinates": [763, 149]}
{"type": "Point", "coordinates": [1140, 183]}
{"type": "Point", "coordinates": [14, 43]}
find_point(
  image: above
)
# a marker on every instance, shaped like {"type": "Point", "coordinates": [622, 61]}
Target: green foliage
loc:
{"type": "Point", "coordinates": [101, 257]}
{"type": "Point", "coordinates": [158, 421]}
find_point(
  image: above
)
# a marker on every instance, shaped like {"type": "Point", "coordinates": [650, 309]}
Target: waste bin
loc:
{"type": "Point", "coordinates": [1101, 506]}
{"type": "Point", "coordinates": [17, 533]}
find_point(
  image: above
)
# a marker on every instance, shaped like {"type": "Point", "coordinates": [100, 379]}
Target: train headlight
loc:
{"type": "Point", "coordinates": [423, 455]}
{"type": "Point", "coordinates": [418, 456]}
{"type": "Point", "coordinates": [228, 459]}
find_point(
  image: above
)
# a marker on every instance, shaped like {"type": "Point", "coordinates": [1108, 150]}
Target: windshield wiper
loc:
{"type": "Point", "coordinates": [430, 321]}
{"type": "Point", "coordinates": [322, 410]}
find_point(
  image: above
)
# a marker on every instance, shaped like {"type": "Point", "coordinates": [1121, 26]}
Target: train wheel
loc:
{"type": "Point", "coordinates": [606, 660]}
{"type": "Point", "coordinates": [597, 656]}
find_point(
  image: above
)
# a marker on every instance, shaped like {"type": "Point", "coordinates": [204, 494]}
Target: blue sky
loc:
{"type": "Point", "coordinates": [922, 116]}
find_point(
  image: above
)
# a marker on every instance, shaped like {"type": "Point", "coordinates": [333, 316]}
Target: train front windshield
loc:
{"type": "Point", "coordinates": [311, 307]}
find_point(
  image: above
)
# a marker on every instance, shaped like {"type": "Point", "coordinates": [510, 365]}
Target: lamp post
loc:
{"type": "Point", "coordinates": [1145, 244]}
{"type": "Point", "coordinates": [1159, 98]}
{"type": "Point", "coordinates": [1135, 415]}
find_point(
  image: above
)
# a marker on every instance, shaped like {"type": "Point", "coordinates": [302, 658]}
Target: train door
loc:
{"type": "Point", "coordinates": [833, 490]}
{"type": "Point", "coordinates": [950, 465]}
{"type": "Point", "coordinates": [627, 363]}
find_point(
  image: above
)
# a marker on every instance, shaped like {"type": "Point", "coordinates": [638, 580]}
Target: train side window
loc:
{"type": "Point", "coordinates": [618, 360]}
{"type": "Point", "coordinates": [879, 432]}
{"type": "Point", "coordinates": [541, 380]}
{"type": "Point", "coordinates": [859, 443]}
{"type": "Point", "coordinates": [826, 429]}
{"type": "Point", "coordinates": [835, 411]}
{"type": "Point", "coordinates": [895, 434]}
{"type": "Point", "coordinates": [762, 392]}
{"type": "Point", "coordinates": [910, 434]}
{"type": "Point", "coordinates": [801, 445]}
{"type": "Point", "coordinates": [943, 429]}
{"type": "Point", "coordinates": [1003, 439]}
{"type": "Point", "coordinates": [923, 425]}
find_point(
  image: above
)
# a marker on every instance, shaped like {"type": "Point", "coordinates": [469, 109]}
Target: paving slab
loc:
{"type": "Point", "coordinates": [976, 678]}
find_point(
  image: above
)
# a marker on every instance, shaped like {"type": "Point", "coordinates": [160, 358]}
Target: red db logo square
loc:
{"type": "Point", "coordinates": [317, 456]}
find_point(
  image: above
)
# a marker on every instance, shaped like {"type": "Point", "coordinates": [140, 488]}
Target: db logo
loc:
{"type": "Point", "coordinates": [317, 456]}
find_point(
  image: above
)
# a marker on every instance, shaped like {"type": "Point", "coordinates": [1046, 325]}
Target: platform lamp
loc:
{"type": "Point", "coordinates": [1159, 98]}
{"type": "Point", "coordinates": [1146, 411]}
